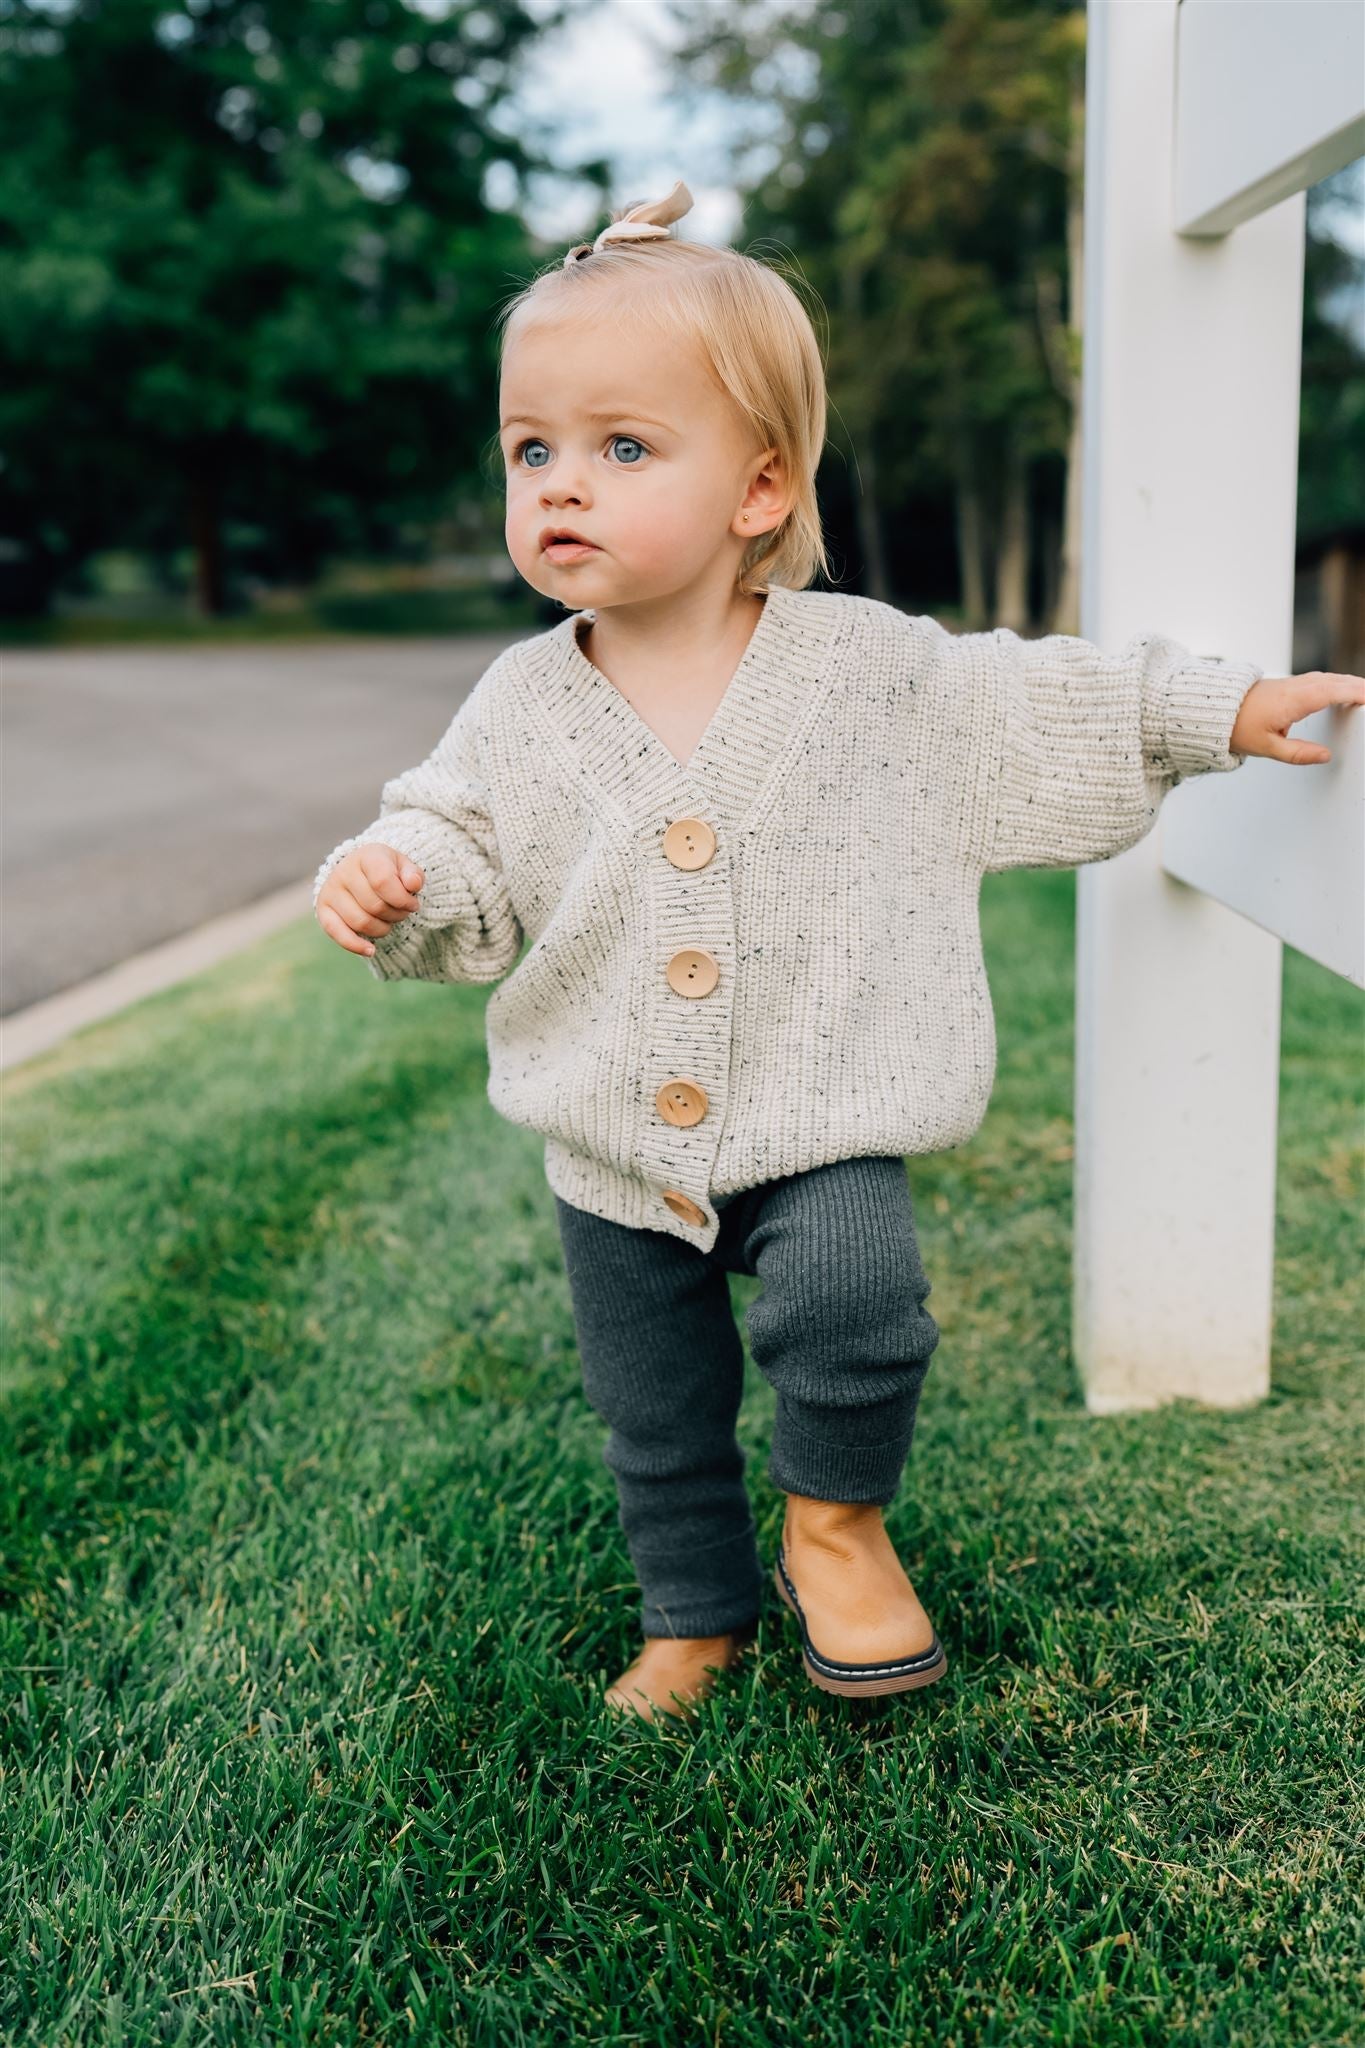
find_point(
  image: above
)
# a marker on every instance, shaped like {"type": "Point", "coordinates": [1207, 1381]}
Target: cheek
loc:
{"type": "Point", "coordinates": [659, 517]}
{"type": "Point", "coordinates": [525, 514]}
{"type": "Point", "coordinates": [521, 526]}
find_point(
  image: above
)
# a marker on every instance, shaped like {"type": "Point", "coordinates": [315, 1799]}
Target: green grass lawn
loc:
{"type": "Point", "coordinates": [313, 1578]}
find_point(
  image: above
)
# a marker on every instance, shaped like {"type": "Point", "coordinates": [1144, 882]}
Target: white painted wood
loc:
{"type": "Point", "coordinates": [1189, 400]}
{"type": "Point", "coordinates": [1284, 847]}
{"type": "Point", "coordinates": [1177, 1078]}
{"type": "Point", "coordinates": [1270, 98]}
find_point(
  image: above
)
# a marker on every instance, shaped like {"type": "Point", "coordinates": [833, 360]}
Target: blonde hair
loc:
{"type": "Point", "coordinates": [757, 338]}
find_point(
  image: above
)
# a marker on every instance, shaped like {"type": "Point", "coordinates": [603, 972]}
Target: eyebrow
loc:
{"type": "Point", "coordinates": [523, 419]}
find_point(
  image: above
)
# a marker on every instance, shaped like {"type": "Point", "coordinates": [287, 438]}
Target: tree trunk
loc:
{"type": "Point", "coordinates": [206, 532]}
{"type": "Point", "coordinates": [1066, 612]}
{"type": "Point", "coordinates": [869, 512]}
{"type": "Point", "coordinates": [1050, 562]}
{"type": "Point", "coordinates": [866, 496]}
{"type": "Point", "coordinates": [971, 534]}
{"type": "Point", "coordinates": [1011, 571]}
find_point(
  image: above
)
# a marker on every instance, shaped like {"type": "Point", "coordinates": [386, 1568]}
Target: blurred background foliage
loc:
{"type": "Point", "coordinates": [245, 278]}
{"type": "Point", "coordinates": [249, 267]}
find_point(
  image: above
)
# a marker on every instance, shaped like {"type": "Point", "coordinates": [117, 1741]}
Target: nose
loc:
{"type": "Point", "coordinates": [569, 493]}
{"type": "Point", "coordinates": [564, 484]}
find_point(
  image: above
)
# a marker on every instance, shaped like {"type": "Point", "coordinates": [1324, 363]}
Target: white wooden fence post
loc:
{"type": "Point", "coordinates": [1190, 400]}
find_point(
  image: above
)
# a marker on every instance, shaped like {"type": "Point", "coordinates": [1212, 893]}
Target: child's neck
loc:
{"type": "Point", "coordinates": [674, 686]}
{"type": "Point", "coordinates": [670, 644]}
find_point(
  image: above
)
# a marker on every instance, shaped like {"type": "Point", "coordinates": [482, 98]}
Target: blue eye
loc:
{"type": "Point", "coordinates": [520, 451]}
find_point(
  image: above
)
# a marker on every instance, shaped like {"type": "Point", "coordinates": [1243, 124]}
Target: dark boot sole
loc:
{"type": "Point", "coordinates": [858, 1681]}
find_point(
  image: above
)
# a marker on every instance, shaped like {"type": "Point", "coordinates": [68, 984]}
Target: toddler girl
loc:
{"type": "Point", "coordinates": [743, 825]}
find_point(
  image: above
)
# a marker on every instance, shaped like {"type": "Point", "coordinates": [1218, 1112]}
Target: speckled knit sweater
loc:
{"type": "Point", "coordinates": [771, 957]}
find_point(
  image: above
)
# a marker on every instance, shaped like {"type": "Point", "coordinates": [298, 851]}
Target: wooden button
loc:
{"type": "Point", "coordinates": [689, 842]}
{"type": "Point", "coordinates": [692, 972]}
{"type": "Point", "coordinates": [684, 1206]}
{"type": "Point", "coordinates": [681, 1102]}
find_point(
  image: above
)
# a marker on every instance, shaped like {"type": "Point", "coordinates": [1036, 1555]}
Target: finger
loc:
{"type": "Point", "coordinates": [335, 929]}
{"type": "Point", "coordinates": [1322, 687]}
{"type": "Point", "coordinates": [385, 863]}
{"type": "Point", "coordinates": [383, 896]}
{"type": "Point", "coordinates": [362, 890]}
{"type": "Point", "coordinates": [1299, 753]}
{"type": "Point", "coordinates": [358, 918]}
{"type": "Point", "coordinates": [389, 906]}
{"type": "Point", "coordinates": [390, 890]}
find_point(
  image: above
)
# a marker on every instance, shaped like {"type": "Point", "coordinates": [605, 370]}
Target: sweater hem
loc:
{"type": "Point", "coordinates": [619, 1197]}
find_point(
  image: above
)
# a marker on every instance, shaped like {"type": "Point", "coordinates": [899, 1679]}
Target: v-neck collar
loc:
{"type": "Point", "coordinates": [737, 676]}
{"type": "Point", "coordinates": [757, 723]}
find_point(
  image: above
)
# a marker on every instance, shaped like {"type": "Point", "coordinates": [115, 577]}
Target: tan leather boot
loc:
{"type": "Point", "coordinates": [672, 1673]}
{"type": "Point", "coordinates": [838, 1572]}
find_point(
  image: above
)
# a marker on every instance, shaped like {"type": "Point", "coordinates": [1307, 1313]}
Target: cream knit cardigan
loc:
{"type": "Point", "coordinates": [864, 769]}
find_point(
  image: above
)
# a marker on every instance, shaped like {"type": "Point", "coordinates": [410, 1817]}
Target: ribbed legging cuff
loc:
{"type": "Point", "coordinates": [808, 1457]}
{"type": "Point", "coordinates": [700, 1621]}
{"type": "Point", "coordinates": [700, 1591]}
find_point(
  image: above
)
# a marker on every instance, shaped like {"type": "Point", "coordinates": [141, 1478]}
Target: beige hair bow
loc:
{"type": "Point", "coordinates": [645, 222]}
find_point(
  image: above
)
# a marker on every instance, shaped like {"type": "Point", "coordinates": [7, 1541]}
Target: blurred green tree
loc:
{"type": "Point", "coordinates": [925, 164]}
{"type": "Point", "coordinates": [926, 169]}
{"type": "Point", "coordinates": [246, 269]}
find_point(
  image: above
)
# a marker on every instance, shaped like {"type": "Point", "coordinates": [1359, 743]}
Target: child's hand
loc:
{"type": "Point", "coordinates": [1275, 703]}
{"type": "Point", "coordinates": [372, 888]}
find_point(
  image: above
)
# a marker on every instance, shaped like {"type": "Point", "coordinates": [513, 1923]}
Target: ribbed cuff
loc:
{"type": "Point", "coordinates": [699, 1621]}
{"type": "Point", "coordinates": [808, 1458]}
{"type": "Point", "coordinates": [1198, 711]}
{"type": "Point", "coordinates": [702, 1590]}
{"type": "Point", "coordinates": [403, 952]}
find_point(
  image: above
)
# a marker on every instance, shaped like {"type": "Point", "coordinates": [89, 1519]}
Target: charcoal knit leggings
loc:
{"type": "Point", "coordinates": [839, 1328]}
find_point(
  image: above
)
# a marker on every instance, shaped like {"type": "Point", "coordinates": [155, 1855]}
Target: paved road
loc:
{"type": "Point", "coordinates": [145, 789]}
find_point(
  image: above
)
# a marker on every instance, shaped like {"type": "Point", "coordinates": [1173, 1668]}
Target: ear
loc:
{"type": "Point", "coordinates": [766, 499]}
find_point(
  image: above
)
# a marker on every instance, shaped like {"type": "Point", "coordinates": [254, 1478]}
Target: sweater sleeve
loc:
{"type": "Point", "coordinates": [1084, 746]}
{"type": "Point", "coordinates": [439, 814]}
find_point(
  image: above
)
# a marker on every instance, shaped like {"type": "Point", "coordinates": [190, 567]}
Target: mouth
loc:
{"type": "Point", "coordinates": [562, 544]}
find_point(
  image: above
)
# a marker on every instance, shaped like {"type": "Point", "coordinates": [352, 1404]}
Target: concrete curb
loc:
{"type": "Point", "coordinates": [26, 1033]}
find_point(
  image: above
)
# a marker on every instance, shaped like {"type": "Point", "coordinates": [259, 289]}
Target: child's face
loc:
{"type": "Point", "coordinates": [626, 439]}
